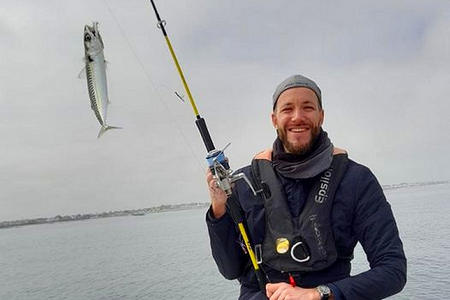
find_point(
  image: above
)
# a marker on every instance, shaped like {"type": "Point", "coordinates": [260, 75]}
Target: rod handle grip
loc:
{"type": "Point", "coordinates": [206, 137]}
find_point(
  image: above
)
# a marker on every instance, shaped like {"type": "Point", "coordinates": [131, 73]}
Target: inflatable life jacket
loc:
{"type": "Point", "coordinates": [304, 243]}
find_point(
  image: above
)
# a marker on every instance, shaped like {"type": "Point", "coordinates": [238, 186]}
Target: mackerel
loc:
{"type": "Point", "coordinates": [96, 75]}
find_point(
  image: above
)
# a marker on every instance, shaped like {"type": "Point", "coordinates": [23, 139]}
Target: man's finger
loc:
{"type": "Point", "coordinates": [275, 290]}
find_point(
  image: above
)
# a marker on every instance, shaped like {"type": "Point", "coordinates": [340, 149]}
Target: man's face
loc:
{"type": "Point", "coordinates": [297, 118]}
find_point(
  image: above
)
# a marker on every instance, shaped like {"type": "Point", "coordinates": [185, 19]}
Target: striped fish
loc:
{"type": "Point", "coordinates": [96, 75]}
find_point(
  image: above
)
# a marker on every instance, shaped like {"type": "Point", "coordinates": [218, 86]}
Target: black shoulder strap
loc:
{"type": "Point", "coordinates": [256, 176]}
{"type": "Point", "coordinates": [327, 183]}
{"type": "Point", "coordinates": [339, 166]}
{"type": "Point", "coordinates": [260, 186]}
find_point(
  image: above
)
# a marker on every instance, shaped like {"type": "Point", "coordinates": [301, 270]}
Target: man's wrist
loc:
{"type": "Point", "coordinates": [218, 210]}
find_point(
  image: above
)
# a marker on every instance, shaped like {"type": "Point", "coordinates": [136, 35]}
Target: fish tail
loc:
{"type": "Point", "coordinates": [105, 128]}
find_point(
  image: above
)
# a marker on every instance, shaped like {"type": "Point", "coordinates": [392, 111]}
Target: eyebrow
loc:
{"type": "Point", "coordinates": [303, 103]}
{"type": "Point", "coordinates": [285, 105]}
{"type": "Point", "coordinates": [310, 102]}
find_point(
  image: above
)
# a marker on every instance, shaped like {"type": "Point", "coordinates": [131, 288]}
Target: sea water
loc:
{"type": "Point", "coordinates": [167, 255]}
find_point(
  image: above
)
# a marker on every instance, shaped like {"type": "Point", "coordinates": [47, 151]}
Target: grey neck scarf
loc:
{"type": "Point", "coordinates": [309, 165]}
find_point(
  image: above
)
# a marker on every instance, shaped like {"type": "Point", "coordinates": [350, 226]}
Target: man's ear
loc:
{"type": "Point", "coordinates": [322, 117]}
{"type": "Point", "coordinates": [274, 120]}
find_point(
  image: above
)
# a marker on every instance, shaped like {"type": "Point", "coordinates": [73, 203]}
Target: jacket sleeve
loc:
{"type": "Point", "coordinates": [225, 245]}
{"type": "Point", "coordinates": [375, 228]}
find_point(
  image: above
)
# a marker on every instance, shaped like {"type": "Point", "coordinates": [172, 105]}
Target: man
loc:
{"type": "Point", "coordinates": [313, 205]}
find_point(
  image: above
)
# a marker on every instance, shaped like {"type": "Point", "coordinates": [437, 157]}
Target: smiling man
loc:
{"type": "Point", "coordinates": [297, 119]}
{"type": "Point", "coordinates": [313, 206]}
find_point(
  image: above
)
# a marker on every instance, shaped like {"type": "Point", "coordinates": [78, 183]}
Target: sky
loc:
{"type": "Point", "coordinates": [383, 68]}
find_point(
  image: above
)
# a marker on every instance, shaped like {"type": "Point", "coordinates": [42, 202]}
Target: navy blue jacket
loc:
{"type": "Point", "coordinates": [360, 214]}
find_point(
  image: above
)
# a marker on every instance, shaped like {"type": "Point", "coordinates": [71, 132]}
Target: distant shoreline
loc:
{"type": "Point", "coordinates": [110, 214]}
{"type": "Point", "coordinates": [408, 185]}
{"type": "Point", "coordinates": [161, 208]}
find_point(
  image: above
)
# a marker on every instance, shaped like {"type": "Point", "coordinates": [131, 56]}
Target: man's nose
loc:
{"type": "Point", "coordinates": [297, 115]}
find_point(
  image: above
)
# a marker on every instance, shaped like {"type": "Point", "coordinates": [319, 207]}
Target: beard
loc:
{"type": "Point", "coordinates": [299, 149]}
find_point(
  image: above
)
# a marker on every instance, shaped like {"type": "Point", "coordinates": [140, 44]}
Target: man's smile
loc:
{"type": "Point", "coordinates": [298, 129]}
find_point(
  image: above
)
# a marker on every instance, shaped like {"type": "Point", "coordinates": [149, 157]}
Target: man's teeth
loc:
{"type": "Point", "coordinates": [298, 129]}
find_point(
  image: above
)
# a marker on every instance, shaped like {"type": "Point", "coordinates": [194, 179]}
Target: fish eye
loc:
{"type": "Point", "coordinates": [87, 37]}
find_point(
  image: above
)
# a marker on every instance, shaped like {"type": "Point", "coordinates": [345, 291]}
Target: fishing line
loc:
{"type": "Point", "coordinates": [147, 75]}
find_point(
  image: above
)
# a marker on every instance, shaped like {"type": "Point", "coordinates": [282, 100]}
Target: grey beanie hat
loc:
{"type": "Point", "coordinates": [296, 81]}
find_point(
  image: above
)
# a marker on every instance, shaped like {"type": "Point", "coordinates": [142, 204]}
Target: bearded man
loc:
{"type": "Point", "coordinates": [313, 206]}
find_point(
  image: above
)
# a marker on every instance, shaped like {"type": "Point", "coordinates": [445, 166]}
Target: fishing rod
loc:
{"type": "Point", "coordinates": [217, 162]}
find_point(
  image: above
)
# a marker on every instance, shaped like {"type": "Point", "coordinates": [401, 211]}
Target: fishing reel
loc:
{"type": "Point", "coordinates": [220, 168]}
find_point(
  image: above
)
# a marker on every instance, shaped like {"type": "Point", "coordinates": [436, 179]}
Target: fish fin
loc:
{"type": "Point", "coordinates": [81, 72]}
{"type": "Point", "coordinates": [103, 129]}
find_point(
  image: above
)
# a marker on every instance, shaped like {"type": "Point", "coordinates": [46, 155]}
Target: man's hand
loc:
{"type": "Point", "coordinates": [217, 195]}
{"type": "Point", "coordinates": [284, 291]}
